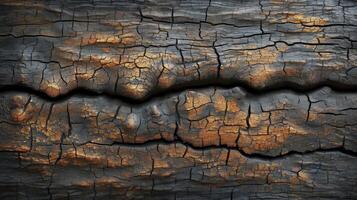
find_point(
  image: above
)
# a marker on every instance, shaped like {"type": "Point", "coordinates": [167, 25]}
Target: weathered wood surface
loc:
{"type": "Point", "coordinates": [210, 99]}
{"type": "Point", "coordinates": [270, 124]}
{"type": "Point", "coordinates": [136, 49]}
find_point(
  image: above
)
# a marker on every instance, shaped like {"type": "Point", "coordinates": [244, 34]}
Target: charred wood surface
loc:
{"type": "Point", "coordinates": [207, 99]}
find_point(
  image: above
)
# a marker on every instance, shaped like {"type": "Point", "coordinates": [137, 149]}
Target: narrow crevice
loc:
{"type": "Point", "coordinates": [219, 64]}
{"type": "Point", "coordinates": [248, 117]}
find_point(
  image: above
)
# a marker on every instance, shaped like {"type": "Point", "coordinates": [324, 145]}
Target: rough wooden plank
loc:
{"type": "Point", "coordinates": [137, 49]}
{"type": "Point", "coordinates": [270, 124]}
{"type": "Point", "coordinates": [169, 171]}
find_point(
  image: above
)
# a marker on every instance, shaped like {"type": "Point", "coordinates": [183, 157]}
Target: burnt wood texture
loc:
{"type": "Point", "coordinates": [182, 99]}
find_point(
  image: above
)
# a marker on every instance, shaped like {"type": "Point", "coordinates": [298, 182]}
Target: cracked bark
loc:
{"type": "Point", "coordinates": [178, 100]}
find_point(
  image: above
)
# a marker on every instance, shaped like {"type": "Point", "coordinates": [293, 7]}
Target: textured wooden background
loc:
{"type": "Point", "coordinates": [190, 99]}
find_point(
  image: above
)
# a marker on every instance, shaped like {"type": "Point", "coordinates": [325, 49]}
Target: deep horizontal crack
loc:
{"type": "Point", "coordinates": [80, 91]}
{"type": "Point", "coordinates": [211, 147]}
{"type": "Point", "coordinates": [252, 156]}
